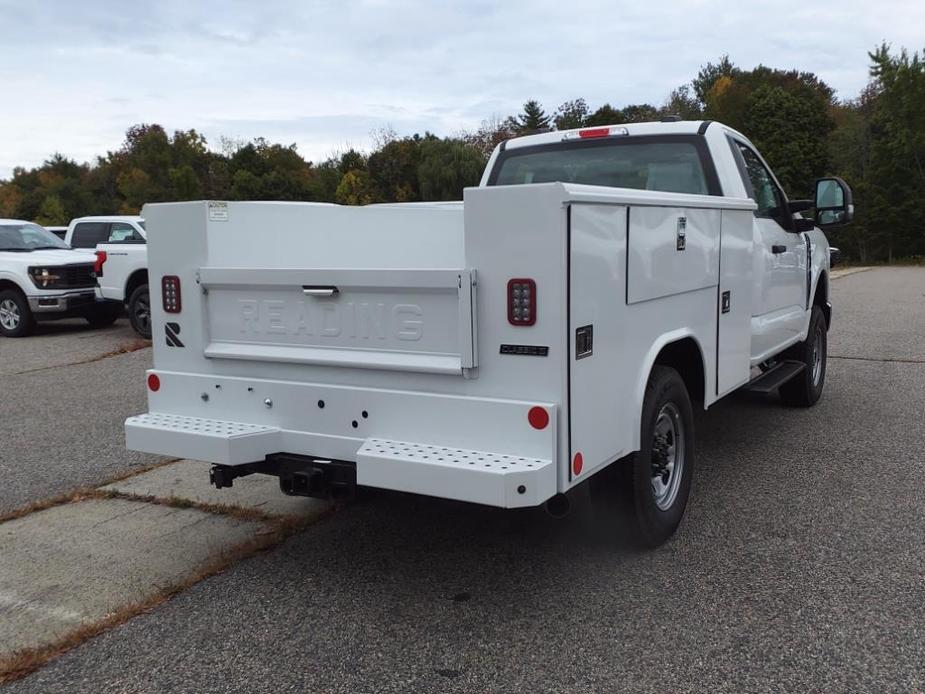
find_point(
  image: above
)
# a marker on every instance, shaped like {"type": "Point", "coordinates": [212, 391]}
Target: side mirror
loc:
{"type": "Point", "coordinates": [834, 202]}
{"type": "Point", "coordinates": [834, 256]}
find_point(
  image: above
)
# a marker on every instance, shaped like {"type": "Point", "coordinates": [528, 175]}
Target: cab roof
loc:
{"type": "Point", "coordinates": [110, 218]}
{"type": "Point", "coordinates": [681, 127]}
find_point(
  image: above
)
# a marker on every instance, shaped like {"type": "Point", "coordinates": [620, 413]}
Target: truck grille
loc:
{"type": "Point", "coordinates": [74, 277]}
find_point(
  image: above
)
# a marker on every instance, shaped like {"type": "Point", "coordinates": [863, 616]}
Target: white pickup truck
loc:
{"type": "Point", "coordinates": [566, 317]}
{"type": "Point", "coordinates": [41, 278]}
{"type": "Point", "coordinates": [120, 243]}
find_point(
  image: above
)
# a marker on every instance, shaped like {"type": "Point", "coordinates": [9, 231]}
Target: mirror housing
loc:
{"type": "Point", "coordinates": [834, 202]}
{"type": "Point", "coordinates": [834, 256]}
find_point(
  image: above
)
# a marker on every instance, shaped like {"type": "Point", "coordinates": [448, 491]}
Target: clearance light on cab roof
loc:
{"type": "Point", "coordinates": [588, 133]}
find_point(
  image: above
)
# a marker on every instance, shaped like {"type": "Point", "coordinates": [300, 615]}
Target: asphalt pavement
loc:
{"type": "Point", "coordinates": [63, 401]}
{"type": "Point", "coordinates": [799, 566]}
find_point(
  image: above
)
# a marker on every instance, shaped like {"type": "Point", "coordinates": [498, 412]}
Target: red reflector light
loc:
{"type": "Point", "coordinates": [521, 302]}
{"type": "Point", "coordinates": [154, 383]}
{"type": "Point", "coordinates": [170, 293]}
{"type": "Point", "coordinates": [538, 417]}
{"type": "Point", "coordinates": [594, 132]}
{"type": "Point", "coordinates": [98, 265]}
{"type": "Point", "coordinates": [578, 463]}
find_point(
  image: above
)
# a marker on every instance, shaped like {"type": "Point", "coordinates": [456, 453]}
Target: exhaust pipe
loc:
{"type": "Point", "coordinates": [558, 506]}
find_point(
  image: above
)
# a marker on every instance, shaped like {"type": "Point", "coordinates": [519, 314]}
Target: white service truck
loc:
{"type": "Point", "coordinates": [120, 244]}
{"type": "Point", "coordinates": [565, 317]}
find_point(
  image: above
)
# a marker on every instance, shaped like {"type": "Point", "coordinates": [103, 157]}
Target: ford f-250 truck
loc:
{"type": "Point", "coordinates": [565, 317]}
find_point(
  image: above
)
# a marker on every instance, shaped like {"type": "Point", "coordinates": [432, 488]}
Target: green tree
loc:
{"type": "Point", "coordinates": [447, 166]}
{"type": "Point", "coordinates": [533, 119]}
{"type": "Point", "coordinates": [572, 114]}
{"type": "Point", "coordinates": [605, 115]}
{"type": "Point", "coordinates": [52, 212]}
{"type": "Point", "coordinates": [355, 188]}
{"type": "Point", "coordinates": [709, 74]}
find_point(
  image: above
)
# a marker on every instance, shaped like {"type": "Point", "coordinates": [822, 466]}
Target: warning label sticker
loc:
{"type": "Point", "coordinates": [218, 211]}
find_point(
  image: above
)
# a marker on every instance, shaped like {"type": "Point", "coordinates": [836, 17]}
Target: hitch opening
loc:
{"type": "Point", "coordinates": [298, 475]}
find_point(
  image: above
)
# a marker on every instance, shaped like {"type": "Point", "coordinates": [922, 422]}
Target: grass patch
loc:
{"type": "Point", "coordinates": [125, 348]}
{"type": "Point", "coordinates": [79, 493]}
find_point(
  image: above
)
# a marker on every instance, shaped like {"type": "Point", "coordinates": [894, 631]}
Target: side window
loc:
{"type": "Point", "coordinates": [120, 232]}
{"type": "Point", "coordinates": [88, 234]}
{"type": "Point", "coordinates": [763, 189]}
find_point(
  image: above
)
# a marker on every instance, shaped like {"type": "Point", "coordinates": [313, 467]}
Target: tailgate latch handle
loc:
{"type": "Point", "coordinates": [315, 290]}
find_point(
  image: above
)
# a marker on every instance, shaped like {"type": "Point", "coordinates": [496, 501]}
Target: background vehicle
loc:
{"type": "Point", "coordinates": [42, 279]}
{"type": "Point", "coordinates": [598, 285]}
{"type": "Point", "coordinates": [122, 266]}
{"type": "Point", "coordinates": [60, 232]}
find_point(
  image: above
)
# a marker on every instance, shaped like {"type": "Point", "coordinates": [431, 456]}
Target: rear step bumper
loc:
{"type": "Point", "coordinates": [454, 473]}
{"type": "Point", "coordinates": [476, 476]}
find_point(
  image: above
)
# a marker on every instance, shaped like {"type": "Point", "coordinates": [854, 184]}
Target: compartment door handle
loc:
{"type": "Point", "coordinates": [313, 290]}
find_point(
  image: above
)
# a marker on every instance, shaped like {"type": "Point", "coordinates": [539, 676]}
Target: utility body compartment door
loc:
{"type": "Point", "coordinates": [599, 375]}
{"type": "Point", "coordinates": [403, 320]}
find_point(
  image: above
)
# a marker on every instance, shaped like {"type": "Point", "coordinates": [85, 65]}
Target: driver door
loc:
{"type": "Point", "coordinates": [779, 300]}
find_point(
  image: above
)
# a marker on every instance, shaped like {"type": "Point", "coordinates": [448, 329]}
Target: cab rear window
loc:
{"type": "Point", "coordinates": [676, 166]}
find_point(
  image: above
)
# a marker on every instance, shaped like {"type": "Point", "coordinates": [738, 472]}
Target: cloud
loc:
{"type": "Point", "coordinates": [324, 73]}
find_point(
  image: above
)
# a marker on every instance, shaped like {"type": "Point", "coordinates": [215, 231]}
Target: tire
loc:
{"type": "Point", "coordinates": [658, 477]}
{"type": "Point", "coordinates": [16, 318]}
{"type": "Point", "coordinates": [104, 316]}
{"type": "Point", "coordinates": [805, 389]}
{"type": "Point", "coordinates": [139, 311]}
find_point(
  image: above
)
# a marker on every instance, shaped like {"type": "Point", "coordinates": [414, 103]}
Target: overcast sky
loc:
{"type": "Point", "coordinates": [324, 74]}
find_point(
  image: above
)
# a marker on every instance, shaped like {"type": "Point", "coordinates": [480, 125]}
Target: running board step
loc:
{"type": "Point", "coordinates": [776, 376]}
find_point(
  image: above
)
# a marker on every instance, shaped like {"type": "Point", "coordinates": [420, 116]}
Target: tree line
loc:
{"type": "Point", "coordinates": [875, 141]}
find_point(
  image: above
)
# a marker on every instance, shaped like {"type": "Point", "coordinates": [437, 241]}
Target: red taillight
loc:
{"type": "Point", "coordinates": [538, 417]}
{"type": "Point", "coordinates": [98, 265]}
{"type": "Point", "coordinates": [170, 293]}
{"type": "Point", "coordinates": [578, 463]}
{"type": "Point", "coordinates": [521, 302]}
{"type": "Point", "coordinates": [154, 383]}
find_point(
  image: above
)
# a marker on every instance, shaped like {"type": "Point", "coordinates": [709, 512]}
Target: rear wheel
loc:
{"type": "Point", "coordinates": [15, 317]}
{"type": "Point", "coordinates": [139, 311]}
{"type": "Point", "coordinates": [660, 472]}
{"type": "Point", "coordinates": [805, 389]}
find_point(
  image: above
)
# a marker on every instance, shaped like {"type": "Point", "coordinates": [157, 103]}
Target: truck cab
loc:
{"type": "Point", "coordinates": [559, 323]}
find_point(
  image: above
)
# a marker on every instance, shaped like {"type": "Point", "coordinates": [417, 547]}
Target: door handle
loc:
{"type": "Point", "coordinates": [778, 248]}
{"type": "Point", "coordinates": [319, 291]}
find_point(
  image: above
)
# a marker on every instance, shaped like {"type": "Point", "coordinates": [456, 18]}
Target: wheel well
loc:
{"type": "Point", "coordinates": [137, 278]}
{"type": "Point", "coordinates": [821, 297]}
{"type": "Point", "coordinates": [9, 284]}
{"type": "Point", "coordinates": [684, 356]}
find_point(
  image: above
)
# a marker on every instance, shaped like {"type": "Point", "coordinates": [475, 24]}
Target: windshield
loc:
{"type": "Point", "coordinates": [27, 237]}
{"type": "Point", "coordinates": [673, 167]}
